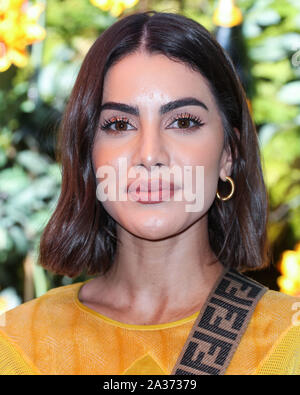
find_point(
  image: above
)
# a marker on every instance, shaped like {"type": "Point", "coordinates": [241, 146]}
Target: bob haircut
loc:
{"type": "Point", "coordinates": [81, 235]}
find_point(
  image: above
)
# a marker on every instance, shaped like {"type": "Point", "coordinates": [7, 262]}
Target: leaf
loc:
{"type": "Point", "coordinates": [13, 215]}
{"type": "Point", "coordinates": [275, 48]}
{"type": "Point", "coordinates": [290, 93]}
{"type": "Point", "coordinates": [3, 158]}
{"type": "Point", "coordinates": [251, 29]}
{"type": "Point", "coordinates": [55, 172]}
{"type": "Point", "coordinates": [32, 161]}
{"type": "Point", "coordinates": [44, 187]}
{"type": "Point", "coordinates": [266, 132]}
{"type": "Point", "coordinates": [271, 50]}
{"type": "Point", "coordinates": [32, 197]}
{"type": "Point", "coordinates": [13, 180]}
{"type": "Point", "coordinates": [267, 17]}
{"type": "Point", "coordinates": [6, 243]}
{"type": "Point", "coordinates": [269, 109]}
{"type": "Point", "coordinates": [279, 72]}
{"type": "Point", "coordinates": [24, 201]}
{"type": "Point", "coordinates": [19, 239]}
{"type": "Point", "coordinates": [290, 41]}
{"type": "Point", "coordinates": [37, 222]}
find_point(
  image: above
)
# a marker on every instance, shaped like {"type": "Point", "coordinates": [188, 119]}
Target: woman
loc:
{"type": "Point", "coordinates": [156, 93]}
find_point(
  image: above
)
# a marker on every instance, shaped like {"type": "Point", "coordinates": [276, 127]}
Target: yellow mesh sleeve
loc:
{"type": "Point", "coordinates": [284, 357]}
{"type": "Point", "coordinates": [271, 319]}
{"type": "Point", "coordinates": [12, 362]}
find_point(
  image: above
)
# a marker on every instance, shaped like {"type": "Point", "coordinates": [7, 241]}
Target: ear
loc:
{"type": "Point", "coordinates": [226, 164]}
{"type": "Point", "coordinates": [226, 160]}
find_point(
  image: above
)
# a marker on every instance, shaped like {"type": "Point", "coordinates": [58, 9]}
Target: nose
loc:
{"type": "Point", "coordinates": [151, 149]}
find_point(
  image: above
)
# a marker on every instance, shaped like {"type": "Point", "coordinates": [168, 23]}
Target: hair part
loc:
{"type": "Point", "coordinates": [81, 235]}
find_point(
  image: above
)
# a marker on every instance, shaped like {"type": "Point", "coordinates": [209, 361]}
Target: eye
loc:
{"type": "Point", "coordinates": [120, 124]}
{"type": "Point", "coordinates": [184, 121]}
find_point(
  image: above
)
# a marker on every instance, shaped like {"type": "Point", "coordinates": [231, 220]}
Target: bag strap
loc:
{"type": "Point", "coordinates": [220, 325]}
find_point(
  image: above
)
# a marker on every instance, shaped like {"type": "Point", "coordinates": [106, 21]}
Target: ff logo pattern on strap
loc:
{"type": "Point", "coordinates": [220, 325]}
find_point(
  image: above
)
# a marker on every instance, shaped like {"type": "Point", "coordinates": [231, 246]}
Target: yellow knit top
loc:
{"type": "Point", "coordinates": [57, 334]}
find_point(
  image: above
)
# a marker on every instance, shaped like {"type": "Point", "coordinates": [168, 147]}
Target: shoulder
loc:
{"type": "Point", "coordinates": [276, 328]}
{"type": "Point", "coordinates": [278, 318]}
{"type": "Point", "coordinates": [270, 309]}
{"type": "Point", "coordinates": [271, 342]}
{"type": "Point", "coordinates": [278, 309]}
{"type": "Point", "coordinates": [44, 309]}
{"type": "Point", "coordinates": [275, 313]}
{"type": "Point", "coordinates": [279, 297]}
{"type": "Point", "coordinates": [32, 324]}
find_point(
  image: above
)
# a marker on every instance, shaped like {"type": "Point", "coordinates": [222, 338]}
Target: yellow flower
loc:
{"type": "Point", "coordinates": [18, 29]}
{"type": "Point", "coordinates": [116, 7]}
{"type": "Point", "coordinates": [289, 282]}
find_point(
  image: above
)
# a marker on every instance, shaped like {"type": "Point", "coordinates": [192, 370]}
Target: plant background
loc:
{"type": "Point", "coordinates": [32, 100]}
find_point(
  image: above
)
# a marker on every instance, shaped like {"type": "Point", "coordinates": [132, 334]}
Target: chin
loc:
{"type": "Point", "coordinates": [153, 235]}
{"type": "Point", "coordinates": [153, 229]}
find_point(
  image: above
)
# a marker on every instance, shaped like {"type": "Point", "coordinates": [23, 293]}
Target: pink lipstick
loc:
{"type": "Point", "coordinates": [151, 191]}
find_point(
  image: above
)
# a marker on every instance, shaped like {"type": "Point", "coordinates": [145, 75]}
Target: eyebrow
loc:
{"type": "Point", "coordinates": [172, 105]}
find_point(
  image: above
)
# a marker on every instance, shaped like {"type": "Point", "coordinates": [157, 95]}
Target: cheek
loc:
{"type": "Point", "coordinates": [104, 154]}
{"type": "Point", "coordinates": [101, 154]}
{"type": "Point", "coordinates": [106, 166]}
{"type": "Point", "coordinates": [206, 153]}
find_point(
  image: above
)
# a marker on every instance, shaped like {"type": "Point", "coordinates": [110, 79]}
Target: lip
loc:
{"type": "Point", "coordinates": [141, 191]}
{"type": "Point", "coordinates": [150, 186]}
{"type": "Point", "coordinates": [158, 196]}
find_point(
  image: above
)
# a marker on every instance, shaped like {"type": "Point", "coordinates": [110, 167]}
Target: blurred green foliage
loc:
{"type": "Point", "coordinates": [32, 101]}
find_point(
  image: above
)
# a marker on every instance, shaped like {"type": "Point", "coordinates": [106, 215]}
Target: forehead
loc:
{"type": "Point", "coordinates": [145, 78]}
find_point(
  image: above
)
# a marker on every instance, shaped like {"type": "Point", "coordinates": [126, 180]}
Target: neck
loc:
{"type": "Point", "coordinates": [164, 275]}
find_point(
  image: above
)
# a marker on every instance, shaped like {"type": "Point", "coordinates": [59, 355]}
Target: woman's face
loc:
{"type": "Point", "coordinates": [149, 135]}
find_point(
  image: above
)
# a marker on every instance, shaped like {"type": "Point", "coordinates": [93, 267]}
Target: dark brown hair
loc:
{"type": "Point", "coordinates": [81, 235]}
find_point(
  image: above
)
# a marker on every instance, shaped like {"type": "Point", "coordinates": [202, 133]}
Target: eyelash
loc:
{"type": "Point", "coordinates": [183, 116]}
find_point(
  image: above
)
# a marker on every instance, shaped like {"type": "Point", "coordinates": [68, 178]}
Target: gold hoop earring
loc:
{"type": "Point", "coordinates": [232, 190]}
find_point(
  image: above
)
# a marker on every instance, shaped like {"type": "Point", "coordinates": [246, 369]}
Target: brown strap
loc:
{"type": "Point", "coordinates": [220, 325]}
